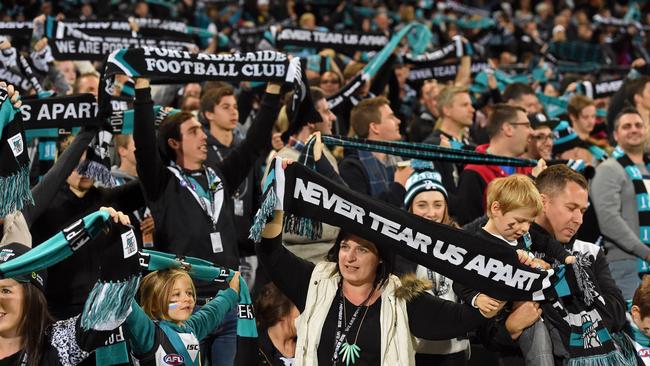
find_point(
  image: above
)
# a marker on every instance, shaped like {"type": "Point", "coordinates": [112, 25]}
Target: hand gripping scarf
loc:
{"type": "Point", "coordinates": [579, 315]}
{"type": "Point", "coordinates": [164, 66]}
{"type": "Point", "coordinates": [456, 254]}
{"type": "Point", "coordinates": [14, 161]}
{"type": "Point", "coordinates": [109, 303]}
{"type": "Point", "coordinates": [642, 201]}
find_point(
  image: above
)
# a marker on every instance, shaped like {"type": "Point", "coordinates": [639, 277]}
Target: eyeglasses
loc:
{"type": "Point", "coordinates": [329, 81]}
{"type": "Point", "coordinates": [520, 124]}
{"type": "Point", "coordinates": [543, 138]}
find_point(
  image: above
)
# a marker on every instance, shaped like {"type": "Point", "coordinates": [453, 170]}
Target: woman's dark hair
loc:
{"type": "Point", "coordinates": [170, 128]}
{"type": "Point", "coordinates": [387, 258]}
{"type": "Point", "coordinates": [271, 305]}
{"type": "Point", "coordinates": [34, 324]}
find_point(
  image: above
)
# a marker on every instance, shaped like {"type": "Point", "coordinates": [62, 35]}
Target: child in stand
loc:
{"type": "Point", "coordinates": [512, 205]}
{"type": "Point", "coordinates": [165, 330]}
{"type": "Point", "coordinates": [638, 328]}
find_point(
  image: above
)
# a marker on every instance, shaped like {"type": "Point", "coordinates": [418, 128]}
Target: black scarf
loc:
{"type": "Point", "coordinates": [163, 66]}
{"type": "Point", "coordinates": [59, 112]}
{"type": "Point", "coordinates": [14, 169]}
{"type": "Point", "coordinates": [443, 72]}
{"type": "Point", "coordinates": [340, 41]}
{"type": "Point", "coordinates": [68, 43]}
{"type": "Point", "coordinates": [578, 316]}
{"type": "Point", "coordinates": [456, 254]}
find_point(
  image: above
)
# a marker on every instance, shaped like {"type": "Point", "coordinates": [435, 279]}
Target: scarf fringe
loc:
{"type": "Point", "coordinates": [14, 192]}
{"type": "Point", "coordinates": [263, 215]}
{"type": "Point", "coordinates": [625, 347]}
{"type": "Point", "coordinates": [303, 226]}
{"type": "Point", "coordinates": [97, 171]}
{"type": "Point", "coordinates": [109, 304]}
{"type": "Point", "coordinates": [612, 358]}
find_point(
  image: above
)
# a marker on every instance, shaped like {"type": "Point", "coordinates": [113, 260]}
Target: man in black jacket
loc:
{"type": "Point", "coordinates": [188, 195]}
{"type": "Point", "coordinates": [374, 173]}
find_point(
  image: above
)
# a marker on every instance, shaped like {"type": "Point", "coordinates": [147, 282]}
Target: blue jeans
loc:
{"type": "Point", "coordinates": [221, 344]}
{"type": "Point", "coordinates": [536, 345]}
{"type": "Point", "coordinates": [625, 274]}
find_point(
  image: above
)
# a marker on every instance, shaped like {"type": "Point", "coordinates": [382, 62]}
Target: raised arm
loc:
{"type": "Point", "coordinates": [52, 181]}
{"type": "Point", "coordinates": [236, 166]}
{"type": "Point", "coordinates": [290, 273]}
{"type": "Point", "coordinates": [151, 169]}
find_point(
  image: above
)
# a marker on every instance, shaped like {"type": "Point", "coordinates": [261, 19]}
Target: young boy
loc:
{"type": "Point", "coordinates": [512, 205]}
{"type": "Point", "coordinates": [639, 321]}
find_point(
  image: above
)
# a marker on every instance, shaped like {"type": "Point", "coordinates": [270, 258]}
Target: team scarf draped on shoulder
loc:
{"type": "Point", "coordinates": [14, 160]}
{"type": "Point", "coordinates": [642, 200]}
{"type": "Point", "coordinates": [579, 313]}
{"type": "Point", "coordinates": [461, 256]}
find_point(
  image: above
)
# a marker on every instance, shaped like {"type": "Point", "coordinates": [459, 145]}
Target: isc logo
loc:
{"type": "Point", "coordinates": [644, 352]}
{"type": "Point", "coordinates": [192, 347]}
{"type": "Point", "coordinates": [173, 359]}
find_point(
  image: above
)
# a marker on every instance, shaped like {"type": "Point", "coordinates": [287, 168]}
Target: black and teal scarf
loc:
{"type": "Point", "coordinates": [14, 160]}
{"type": "Point", "coordinates": [456, 254]}
{"type": "Point", "coordinates": [577, 314]}
{"type": "Point", "coordinates": [418, 36]}
{"type": "Point", "coordinates": [413, 150]}
{"type": "Point", "coordinates": [58, 247]}
{"type": "Point", "coordinates": [642, 201]}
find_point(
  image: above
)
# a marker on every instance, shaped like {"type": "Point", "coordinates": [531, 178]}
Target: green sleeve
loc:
{"type": "Point", "coordinates": [140, 330]}
{"type": "Point", "coordinates": [211, 314]}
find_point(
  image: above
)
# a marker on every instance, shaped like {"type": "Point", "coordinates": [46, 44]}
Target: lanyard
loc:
{"type": "Point", "coordinates": [342, 335]}
{"type": "Point", "coordinates": [211, 204]}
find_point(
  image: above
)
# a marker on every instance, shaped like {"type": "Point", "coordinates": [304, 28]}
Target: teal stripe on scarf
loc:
{"type": "Point", "coordinates": [7, 114]}
{"type": "Point", "coordinates": [52, 251]}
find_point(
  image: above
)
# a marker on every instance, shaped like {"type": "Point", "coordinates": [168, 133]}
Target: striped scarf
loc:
{"type": "Point", "coordinates": [14, 160]}
{"type": "Point", "coordinates": [642, 202]}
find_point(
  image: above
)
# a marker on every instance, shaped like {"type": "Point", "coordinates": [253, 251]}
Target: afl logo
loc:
{"type": "Point", "coordinates": [644, 352]}
{"type": "Point", "coordinates": [173, 359]}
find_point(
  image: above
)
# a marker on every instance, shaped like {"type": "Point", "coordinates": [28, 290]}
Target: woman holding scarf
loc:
{"type": "Point", "coordinates": [353, 310]}
{"type": "Point", "coordinates": [427, 197]}
{"type": "Point", "coordinates": [29, 335]}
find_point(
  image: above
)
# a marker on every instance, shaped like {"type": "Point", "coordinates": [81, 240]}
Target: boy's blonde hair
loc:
{"type": "Point", "coordinates": [513, 192]}
{"type": "Point", "coordinates": [155, 290]}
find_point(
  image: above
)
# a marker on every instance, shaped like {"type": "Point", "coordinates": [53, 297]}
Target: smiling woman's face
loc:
{"type": "Point", "coordinates": [11, 307]}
